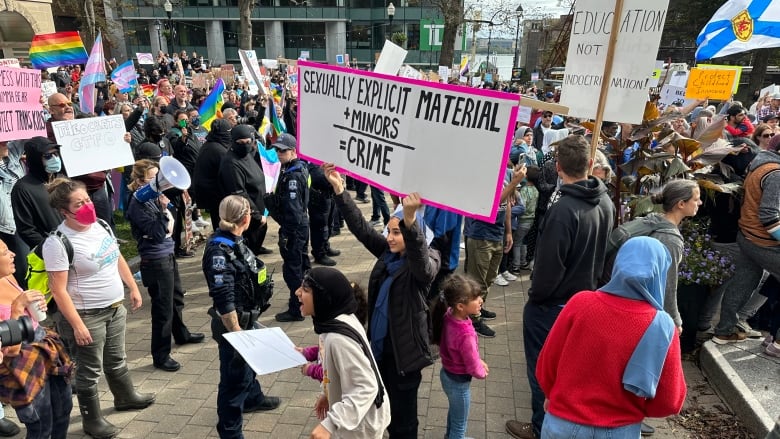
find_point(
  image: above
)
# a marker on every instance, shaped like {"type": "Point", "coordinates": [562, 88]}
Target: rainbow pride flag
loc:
{"type": "Point", "coordinates": [57, 49]}
{"type": "Point", "coordinates": [148, 89]}
{"type": "Point", "coordinates": [211, 109]}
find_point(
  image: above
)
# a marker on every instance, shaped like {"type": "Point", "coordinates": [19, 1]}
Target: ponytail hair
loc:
{"type": "Point", "coordinates": [60, 190]}
{"type": "Point", "coordinates": [362, 303]}
{"type": "Point", "coordinates": [232, 210]}
{"type": "Point", "coordinates": [455, 289]}
{"type": "Point", "coordinates": [673, 192]}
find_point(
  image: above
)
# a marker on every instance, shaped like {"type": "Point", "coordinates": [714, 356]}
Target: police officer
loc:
{"type": "Point", "coordinates": [231, 272]}
{"type": "Point", "coordinates": [288, 206]}
{"type": "Point", "coordinates": [320, 217]}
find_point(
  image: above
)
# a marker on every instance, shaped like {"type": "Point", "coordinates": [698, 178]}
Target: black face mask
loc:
{"type": "Point", "coordinates": [242, 149]}
{"type": "Point", "coordinates": [156, 137]}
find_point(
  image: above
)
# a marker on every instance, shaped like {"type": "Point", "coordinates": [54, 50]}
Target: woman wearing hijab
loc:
{"type": "Point", "coordinates": [397, 300]}
{"type": "Point", "coordinates": [630, 368]}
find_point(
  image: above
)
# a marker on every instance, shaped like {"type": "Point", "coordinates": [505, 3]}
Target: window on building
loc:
{"type": "Point", "coordinates": [137, 33]}
{"type": "Point", "coordinates": [413, 36]}
{"type": "Point", "coordinates": [359, 35]}
{"type": "Point", "coordinates": [304, 35]}
{"type": "Point", "coordinates": [191, 33]}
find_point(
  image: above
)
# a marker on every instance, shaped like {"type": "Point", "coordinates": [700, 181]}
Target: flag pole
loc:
{"type": "Point", "coordinates": [616, 19]}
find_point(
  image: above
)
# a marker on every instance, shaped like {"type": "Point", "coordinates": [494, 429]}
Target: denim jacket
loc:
{"type": "Point", "coordinates": [14, 168]}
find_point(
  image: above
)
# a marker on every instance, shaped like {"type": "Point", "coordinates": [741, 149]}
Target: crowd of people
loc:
{"type": "Point", "coordinates": [555, 222]}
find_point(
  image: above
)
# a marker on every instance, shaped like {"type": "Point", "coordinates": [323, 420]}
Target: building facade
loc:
{"type": "Point", "coordinates": [280, 28]}
{"type": "Point", "coordinates": [19, 21]}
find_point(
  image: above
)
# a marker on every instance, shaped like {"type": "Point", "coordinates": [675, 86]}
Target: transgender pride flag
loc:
{"type": "Point", "coordinates": [271, 167]}
{"type": "Point", "coordinates": [94, 72]}
{"type": "Point", "coordinates": [124, 77]}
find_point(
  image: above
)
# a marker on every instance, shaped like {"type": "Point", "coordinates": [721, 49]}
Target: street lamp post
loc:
{"type": "Point", "coordinates": [519, 15]}
{"type": "Point", "coordinates": [487, 57]}
{"type": "Point", "coordinates": [390, 15]}
{"type": "Point", "coordinates": [157, 27]}
{"type": "Point", "coordinates": [168, 11]}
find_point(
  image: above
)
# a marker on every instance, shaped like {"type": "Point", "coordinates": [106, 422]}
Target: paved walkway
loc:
{"type": "Point", "coordinates": [186, 400]}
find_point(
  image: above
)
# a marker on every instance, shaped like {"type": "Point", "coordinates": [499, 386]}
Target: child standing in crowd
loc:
{"type": "Point", "coordinates": [460, 298]}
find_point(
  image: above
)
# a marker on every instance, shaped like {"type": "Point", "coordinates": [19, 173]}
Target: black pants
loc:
{"type": "Point", "coordinates": [402, 392]}
{"type": "Point", "coordinates": [293, 247]}
{"type": "Point", "coordinates": [178, 220]}
{"type": "Point", "coordinates": [319, 224]}
{"type": "Point", "coordinates": [103, 206]}
{"type": "Point", "coordinates": [255, 235]}
{"type": "Point", "coordinates": [161, 279]}
{"type": "Point", "coordinates": [20, 249]}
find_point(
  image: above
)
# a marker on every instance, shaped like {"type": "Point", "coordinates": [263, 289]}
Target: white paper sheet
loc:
{"type": "Point", "coordinates": [266, 350]}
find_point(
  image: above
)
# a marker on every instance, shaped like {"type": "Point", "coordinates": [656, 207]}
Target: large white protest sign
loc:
{"type": "Point", "coordinates": [641, 26]}
{"type": "Point", "coordinates": [391, 59]}
{"type": "Point", "coordinates": [448, 143]}
{"type": "Point", "coordinates": [251, 69]}
{"type": "Point", "coordinates": [673, 95]}
{"type": "Point", "coordinates": [21, 114]}
{"type": "Point", "coordinates": [265, 350]}
{"type": "Point", "coordinates": [93, 144]}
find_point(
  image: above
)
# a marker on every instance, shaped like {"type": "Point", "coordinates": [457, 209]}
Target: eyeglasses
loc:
{"type": "Point", "coordinates": [49, 155]}
{"type": "Point", "coordinates": [62, 104]}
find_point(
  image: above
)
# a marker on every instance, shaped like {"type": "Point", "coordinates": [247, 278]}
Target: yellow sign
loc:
{"type": "Point", "coordinates": [710, 84]}
{"type": "Point", "coordinates": [742, 24]}
{"type": "Point", "coordinates": [738, 69]}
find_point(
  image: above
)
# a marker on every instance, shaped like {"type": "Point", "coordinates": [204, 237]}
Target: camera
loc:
{"type": "Point", "coordinates": [14, 332]}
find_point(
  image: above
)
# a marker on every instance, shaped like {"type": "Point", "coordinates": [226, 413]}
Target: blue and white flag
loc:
{"type": "Point", "coordinates": [739, 26]}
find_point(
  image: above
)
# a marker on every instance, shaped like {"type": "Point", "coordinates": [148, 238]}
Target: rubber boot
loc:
{"type": "Point", "coordinates": [125, 395]}
{"type": "Point", "coordinates": [92, 419]}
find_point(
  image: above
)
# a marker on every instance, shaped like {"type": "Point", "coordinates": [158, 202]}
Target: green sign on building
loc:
{"type": "Point", "coordinates": [432, 34]}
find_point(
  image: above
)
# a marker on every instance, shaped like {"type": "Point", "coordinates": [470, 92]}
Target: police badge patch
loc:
{"type": "Point", "coordinates": [218, 263]}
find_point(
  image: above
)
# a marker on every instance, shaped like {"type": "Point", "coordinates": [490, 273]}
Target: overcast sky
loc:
{"type": "Point", "coordinates": [531, 9]}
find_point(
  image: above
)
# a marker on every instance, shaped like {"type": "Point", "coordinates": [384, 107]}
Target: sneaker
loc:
{"type": "Point", "coordinates": [743, 326]}
{"type": "Point", "coordinates": [194, 228]}
{"type": "Point", "coordinates": [137, 276]}
{"type": "Point", "coordinates": [646, 430]}
{"type": "Point", "coordinates": [487, 315]}
{"type": "Point", "coordinates": [509, 276]}
{"type": "Point", "coordinates": [500, 281]}
{"type": "Point", "coordinates": [773, 350]}
{"type": "Point", "coordinates": [200, 222]}
{"type": "Point", "coordinates": [376, 223]}
{"type": "Point", "coordinates": [767, 341]}
{"type": "Point", "coordinates": [483, 330]}
{"type": "Point", "coordinates": [520, 430]}
{"type": "Point", "coordinates": [725, 339]}
{"type": "Point", "coordinates": [528, 266]}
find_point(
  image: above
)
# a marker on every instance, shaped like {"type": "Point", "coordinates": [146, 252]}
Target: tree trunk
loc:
{"type": "Point", "coordinates": [453, 18]}
{"type": "Point", "coordinates": [757, 75]}
{"type": "Point", "coordinates": [245, 24]}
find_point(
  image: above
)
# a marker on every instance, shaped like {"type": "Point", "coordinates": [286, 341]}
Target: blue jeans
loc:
{"type": "Point", "coordinates": [48, 415]}
{"type": "Point", "coordinates": [537, 323]}
{"type": "Point", "coordinates": [106, 353]}
{"type": "Point", "coordinates": [379, 206]}
{"type": "Point", "coordinates": [459, 396]}
{"type": "Point", "coordinates": [739, 288]}
{"type": "Point", "coordinates": [557, 428]}
{"type": "Point", "coordinates": [237, 389]}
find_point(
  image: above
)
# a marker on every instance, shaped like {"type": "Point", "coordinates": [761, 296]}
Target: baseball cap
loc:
{"type": "Point", "coordinates": [40, 144]}
{"type": "Point", "coordinates": [285, 142]}
{"type": "Point", "coordinates": [549, 94]}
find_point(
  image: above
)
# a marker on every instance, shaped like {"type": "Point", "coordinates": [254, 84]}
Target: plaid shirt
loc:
{"type": "Point", "coordinates": [765, 111]}
{"type": "Point", "coordinates": [22, 377]}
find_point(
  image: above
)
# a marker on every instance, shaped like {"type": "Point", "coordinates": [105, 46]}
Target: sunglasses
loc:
{"type": "Point", "coordinates": [767, 136]}
{"type": "Point", "coordinates": [49, 155]}
{"type": "Point", "coordinates": [63, 104]}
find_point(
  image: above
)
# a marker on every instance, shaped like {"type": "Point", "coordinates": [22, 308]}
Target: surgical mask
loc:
{"type": "Point", "coordinates": [86, 214]}
{"type": "Point", "coordinates": [195, 121]}
{"type": "Point", "coordinates": [53, 165]}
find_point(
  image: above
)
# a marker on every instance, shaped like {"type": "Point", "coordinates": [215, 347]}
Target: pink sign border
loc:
{"type": "Point", "coordinates": [448, 87]}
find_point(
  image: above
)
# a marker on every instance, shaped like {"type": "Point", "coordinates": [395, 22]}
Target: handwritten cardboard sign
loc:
{"type": "Point", "coordinates": [737, 69]}
{"type": "Point", "coordinates": [448, 143]}
{"type": "Point", "coordinates": [710, 84]}
{"type": "Point", "coordinates": [93, 144]}
{"type": "Point", "coordinates": [21, 113]}
{"type": "Point", "coordinates": [641, 25]}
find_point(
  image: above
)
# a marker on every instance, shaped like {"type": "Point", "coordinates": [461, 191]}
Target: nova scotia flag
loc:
{"type": "Point", "coordinates": [739, 26]}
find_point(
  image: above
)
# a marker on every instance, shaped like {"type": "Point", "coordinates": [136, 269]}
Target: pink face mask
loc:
{"type": "Point", "coordinates": [86, 214]}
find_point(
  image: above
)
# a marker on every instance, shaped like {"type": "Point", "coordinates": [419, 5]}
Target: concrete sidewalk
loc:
{"type": "Point", "coordinates": [186, 400]}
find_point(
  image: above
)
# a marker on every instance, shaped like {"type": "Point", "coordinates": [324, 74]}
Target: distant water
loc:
{"type": "Point", "coordinates": [502, 62]}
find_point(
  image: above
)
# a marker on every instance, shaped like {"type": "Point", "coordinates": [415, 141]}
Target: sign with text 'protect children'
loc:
{"type": "Point", "coordinates": [640, 28]}
{"type": "Point", "coordinates": [402, 135]}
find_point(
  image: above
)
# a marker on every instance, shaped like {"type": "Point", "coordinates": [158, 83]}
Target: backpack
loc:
{"type": "Point", "coordinates": [36, 276]}
{"type": "Point", "coordinates": [624, 232]}
{"type": "Point", "coordinates": [262, 288]}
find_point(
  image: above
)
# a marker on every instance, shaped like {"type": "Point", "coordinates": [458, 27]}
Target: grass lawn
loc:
{"type": "Point", "coordinates": [129, 249]}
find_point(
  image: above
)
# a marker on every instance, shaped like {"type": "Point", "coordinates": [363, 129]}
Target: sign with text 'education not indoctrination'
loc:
{"type": "Point", "coordinates": [402, 135]}
{"type": "Point", "coordinates": [641, 25]}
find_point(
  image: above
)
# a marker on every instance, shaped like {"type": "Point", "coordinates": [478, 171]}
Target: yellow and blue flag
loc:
{"type": "Point", "coordinates": [739, 26]}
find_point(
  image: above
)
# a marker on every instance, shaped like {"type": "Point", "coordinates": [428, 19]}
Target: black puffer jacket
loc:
{"type": "Point", "coordinates": [408, 309]}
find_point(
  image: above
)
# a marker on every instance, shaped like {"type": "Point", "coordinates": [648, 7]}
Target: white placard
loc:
{"type": "Point", "coordinates": [391, 59]}
{"type": "Point", "coordinates": [769, 90]}
{"type": "Point", "coordinates": [524, 114]}
{"type": "Point", "coordinates": [673, 95]}
{"type": "Point", "coordinates": [304, 54]}
{"type": "Point", "coordinates": [144, 58]}
{"type": "Point", "coordinates": [641, 25]}
{"type": "Point", "coordinates": [265, 350]}
{"type": "Point", "coordinates": [93, 144]}
{"type": "Point", "coordinates": [48, 88]}
{"type": "Point", "coordinates": [251, 70]}
{"type": "Point", "coordinates": [408, 71]}
{"type": "Point", "coordinates": [270, 63]}
{"type": "Point", "coordinates": [444, 73]}
{"type": "Point", "coordinates": [404, 135]}
{"type": "Point", "coordinates": [10, 62]}
{"type": "Point", "coordinates": [679, 78]}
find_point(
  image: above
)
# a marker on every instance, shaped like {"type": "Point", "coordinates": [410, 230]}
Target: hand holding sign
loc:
{"type": "Point", "coordinates": [333, 176]}
{"type": "Point", "coordinates": [411, 203]}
